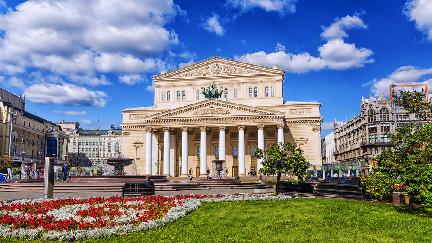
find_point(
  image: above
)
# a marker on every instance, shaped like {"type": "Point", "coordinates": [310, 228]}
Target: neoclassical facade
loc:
{"type": "Point", "coordinates": [184, 132]}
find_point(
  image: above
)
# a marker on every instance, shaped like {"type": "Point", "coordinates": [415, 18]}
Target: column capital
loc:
{"type": "Point", "coordinates": [221, 128]}
{"type": "Point", "coordinates": [166, 129]}
{"type": "Point", "coordinates": [203, 128]}
{"type": "Point", "coordinates": [184, 129]}
{"type": "Point", "coordinates": [241, 127]}
{"type": "Point", "coordinates": [148, 129]}
{"type": "Point", "coordinates": [280, 125]}
{"type": "Point", "coordinates": [260, 126]}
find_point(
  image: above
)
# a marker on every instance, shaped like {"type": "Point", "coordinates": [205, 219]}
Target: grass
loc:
{"type": "Point", "coordinates": [298, 220]}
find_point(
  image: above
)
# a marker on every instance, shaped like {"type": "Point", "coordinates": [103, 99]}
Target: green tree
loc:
{"type": "Point", "coordinates": [281, 159]}
{"type": "Point", "coordinates": [410, 160]}
{"type": "Point", "coordinates": [414, 102]}
{"type": "Point", "coordinates": [5, 162]}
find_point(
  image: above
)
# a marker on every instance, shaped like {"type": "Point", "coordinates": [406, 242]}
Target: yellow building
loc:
{"type": "Point", "coordinates": [184, 132]}
{"type": "Point", "coordinates": [26, 142]}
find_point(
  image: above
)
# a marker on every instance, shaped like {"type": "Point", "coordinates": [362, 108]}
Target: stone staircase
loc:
{"type": "Point", "coordinates": [186, 186]}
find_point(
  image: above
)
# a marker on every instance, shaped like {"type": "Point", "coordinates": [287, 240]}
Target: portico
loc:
{"type": "Point", "coordinates": [182, 136]}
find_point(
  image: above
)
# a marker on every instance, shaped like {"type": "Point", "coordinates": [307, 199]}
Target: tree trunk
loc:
{"type": "Point", "coordinates": [278, 176]}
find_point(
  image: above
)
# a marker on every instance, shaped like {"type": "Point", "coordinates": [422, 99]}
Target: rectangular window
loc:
{"type": "Point", "coordinates": [178, 95]}
{"type": "Point", "coordinates": [372, 130]}
{"type": "Point", "coordinates": [385, 139]}
{"type": "Point", "coordinates": [385, 129]}
{"type": "Point", "coordinates": [183, 95]}
{"type": "Point", "coordinates": [197, 94]}
{"type": "Point", "coordinates": [163, 96]}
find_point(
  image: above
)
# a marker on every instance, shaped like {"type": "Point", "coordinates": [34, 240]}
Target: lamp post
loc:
{"type": "Point", "coordinates": [13, 114]}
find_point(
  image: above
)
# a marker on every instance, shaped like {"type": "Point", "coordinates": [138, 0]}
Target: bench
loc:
{"type": "Point", "coordinates": [138, 188]}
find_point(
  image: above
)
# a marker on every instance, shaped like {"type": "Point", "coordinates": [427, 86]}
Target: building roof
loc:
{"type": "Point", "coordinates": [98, 132]}
{"type": "Point", "coordinates": [218, 60]}
{"type": "Point", "coordinates": [38, 118]}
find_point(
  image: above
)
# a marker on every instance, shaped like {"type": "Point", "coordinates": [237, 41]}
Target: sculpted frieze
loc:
{"type": "Point", "coordinates": [212, 111]}
{"type": "Point", "coordinates": [216, 69]}
{"type": "Point", "coordinates": [137, 116]}
{"type": "Point", "coordinates": [300, 111]}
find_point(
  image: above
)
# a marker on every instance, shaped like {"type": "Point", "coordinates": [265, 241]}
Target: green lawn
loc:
{"type": "Point", "coordinates": [297, 220]}
{"type": "Point", "coordinates": [323, 220]}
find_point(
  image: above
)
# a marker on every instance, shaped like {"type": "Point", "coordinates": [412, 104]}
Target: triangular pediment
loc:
{"type": "Point", "coordinates": [213, 108]}
{"type": "Point", "coordinates": [218, 67]}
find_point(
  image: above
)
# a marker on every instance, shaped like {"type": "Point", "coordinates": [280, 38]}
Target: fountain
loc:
{"type": "Point", "coordinates": [118, 175]}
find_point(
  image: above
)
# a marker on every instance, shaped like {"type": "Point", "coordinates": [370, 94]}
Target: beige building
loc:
{"type": "Point", "coordinates": [365, 136]}
{"type": "Point", "coordinates": [96, 145]}
{"type": "Point", "coordinates": [184, 132]}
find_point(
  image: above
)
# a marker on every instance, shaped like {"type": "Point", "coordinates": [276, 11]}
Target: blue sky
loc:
{"type": "Point", "coordinates": [82, 61]}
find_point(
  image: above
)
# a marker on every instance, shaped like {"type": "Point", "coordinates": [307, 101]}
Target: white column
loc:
{"type": "Point", "coordinates": [155, 154]}
{"type": "Point", "coordinates": [222, 155]}
{"type": "Point", "coordinates": [260, 144]}
{"type": "Point", "coordinates": [166, 154]}
{"type": "Point", "coordinates": [241, 151]}
{"type": "Point", "coordinates": [280, 134]}
{"type": "Point", "coordinates": [172, 154]}
{"type": "Point", "coordinates": [148, 152]}
{"type": "Point", "coordinates": [184, 165]}
{"type": "Point", "coordinates": [203, 152]}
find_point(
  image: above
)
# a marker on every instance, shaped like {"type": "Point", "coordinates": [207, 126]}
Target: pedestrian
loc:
{"type": "Point", "coordinates": [65, 171]}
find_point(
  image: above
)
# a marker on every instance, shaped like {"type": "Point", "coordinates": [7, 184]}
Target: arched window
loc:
{"type": "Point", "coordinates": [255, 92]}
{"type": "Point", "coordinates": [266, 91]}
{"type": "Point", "coordinates": [197, 94]}
{"type": "Point", "coordinates": [371, 114]}
{"type": "Point", "coordinates": [250, 92]}
{"type": "Point", "coordinates": [271, 91]}
{"type": "Point", "coordinates": [168, 95]}
{"type": "Point", "coordinates": [235, 93]}
{"type": "Point", "coordinates": [226, 93]}
{"type": "Point", "coordinates": [384, 114]}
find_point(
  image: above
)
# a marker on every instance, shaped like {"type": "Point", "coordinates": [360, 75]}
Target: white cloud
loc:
{"type": "Point", "coordinates": [150, 88]}
{"type": "Point", "coordinates": [87, 38]}
{"type": "Point", "coordinates": [420, 11]}
{"type": "Point", "coordinates": [338, 28]}
{"type": "Point", "coordinates": [131, 79]}
{"type": "Point", "coordinates": [86, 122]}
{"type": "Point", "coordinates": [334, 54]}
{"type": "Point", "coordinates": [16, 82]}
{"type": "Point", "coordinates": [71, 113]}
{"type": "Point", "coordinates": [280, 6]}
{"type": "Point", "coordinates": [127, 64]}
{"type": "Point", "coordinates": [402, 75]}
{"type": "Point", "coordinates": [212, 24]}
{"type": "Point", "coordinates": [280, 47]}
{"type": "Point", "coordinates": [64, 94]}
{"type": "Point", "coordinates": [297, 63]}
{"type": "Point", "coordinates": [337, 54]}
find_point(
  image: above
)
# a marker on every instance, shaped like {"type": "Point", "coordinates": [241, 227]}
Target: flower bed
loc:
{"type": "Point", "coordinates": [70, 219]}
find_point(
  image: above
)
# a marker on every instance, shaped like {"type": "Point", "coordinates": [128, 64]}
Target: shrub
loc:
{"type": "Point", "coordinates": [379, 185]}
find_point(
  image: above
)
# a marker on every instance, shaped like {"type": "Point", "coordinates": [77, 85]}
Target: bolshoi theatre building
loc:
{"type": "Point", "coordinates": [184, 132]}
